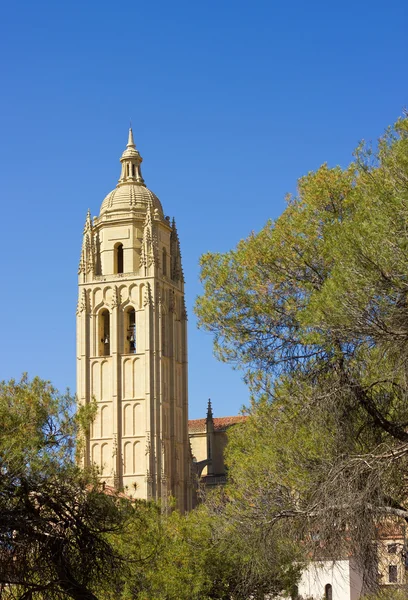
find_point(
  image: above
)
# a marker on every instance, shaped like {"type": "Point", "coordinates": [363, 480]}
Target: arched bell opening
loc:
{"type": "Point", "coordinates": [130, 331]}
{"type": "Point", "coordinates": [104, 333]}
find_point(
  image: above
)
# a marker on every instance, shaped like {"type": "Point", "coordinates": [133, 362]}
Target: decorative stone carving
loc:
{"type": "Point", "coordinates": [148, 254]}
{"type": "Point", "coordinates": [148, 298]}
{"type": "Point", "coordinates": [160, 300]}
{"type": "Point", "coordinates": [82, 302]}
{"type": "Point", "coordinates": [184, 311]}
{"type": "Point", "coordinates": [81, 268]}
{"type": "Point", "coordinates": [88, 252]}
{"type": "Point", "coordinates": [148, 445]}
{"type": "Point", "coordinates": [172, 301]}
{"type": "Point", "coordinates": [163, 453]}
{"type": "Point", "coordinates": [115, 297]}
{"type": "Point", "coordinates": [176, 271]}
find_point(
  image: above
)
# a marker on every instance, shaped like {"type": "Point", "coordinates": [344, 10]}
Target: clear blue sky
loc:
{"type": "Point", "coordinates": [231, 102]}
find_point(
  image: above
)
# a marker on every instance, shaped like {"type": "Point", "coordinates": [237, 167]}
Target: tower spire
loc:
{"type": "Point", "coordinates": [131, 161]}
{"type": "Point", "coordinates": [131, 141]}
{"type": "Point", "coordinates": [176, 269]}
{"type": "Point", "coordinates": [209, 411]}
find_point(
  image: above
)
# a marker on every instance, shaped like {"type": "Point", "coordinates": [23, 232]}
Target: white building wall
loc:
{"type": "Point", "coordinates": [342, 575]}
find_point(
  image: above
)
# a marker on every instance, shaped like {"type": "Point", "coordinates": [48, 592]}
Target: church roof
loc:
{"type": "Point", "coordinates": [220, 423]}
{"type": "Point", "coordinates": [131, 196]}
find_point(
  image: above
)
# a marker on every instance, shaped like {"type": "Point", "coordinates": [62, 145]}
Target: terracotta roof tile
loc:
{"type": "Point", "coordinates": [196, 425]}
{"type": "Point", "coordinates": [225, 422]}
{"type": "Point", "coordinates": [220, 424]}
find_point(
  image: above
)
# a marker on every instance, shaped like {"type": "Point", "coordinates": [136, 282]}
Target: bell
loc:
{"type": "Point", "coordinates": [106, 340]}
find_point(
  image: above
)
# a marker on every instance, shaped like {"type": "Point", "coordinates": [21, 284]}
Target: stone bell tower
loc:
{"type": "Point", "coordinates": [132, 342]}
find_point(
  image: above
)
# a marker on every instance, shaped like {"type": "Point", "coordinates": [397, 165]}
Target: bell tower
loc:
{"type": "Point", "coordinates": [132, 342]}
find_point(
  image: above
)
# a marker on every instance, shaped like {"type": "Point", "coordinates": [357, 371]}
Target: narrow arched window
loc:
{"type": "Point", "coordinates": [119, 258]}
{"type": "Point", "coordinates": [104, 333]}
{"type": "Point", "coordinates": [328, 592]}
{"type": "Point", "coordinates": [131, 331]}
{"type": "Point", "coordinates": [164, 261]}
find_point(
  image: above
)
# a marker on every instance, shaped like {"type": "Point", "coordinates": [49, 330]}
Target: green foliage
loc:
{"type": "Point", "coordinates": [170, 557]}
{"type": "Point", "coordinates": [333, 262]}
{"type": "Point", "coordinates": [54, 518]}
{"type": "Point", "coordinates": [391, 593]}
{"type": "Point", "coordinates": [186, 564]}
{"type": "Point", "coordinates": [198, 556]}
{"type": "Point", "coordinates": [314, 309]}
{"type": "Point", "coordinates": [37, 425]}
{"type": "Point", "coordinates": [61, 536]}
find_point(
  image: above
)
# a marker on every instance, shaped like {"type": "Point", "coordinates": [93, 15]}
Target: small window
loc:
{"type": "Point", "coordinates": [392, 548]}
{"type": "Point", "coordinates": [328, 592]}
{"type": "Point", "coordinates": [119, 258]}
{"type": "Point", "coordinates": [392, 574]}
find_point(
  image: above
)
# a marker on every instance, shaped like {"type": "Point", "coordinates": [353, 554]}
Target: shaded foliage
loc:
{"type": "Point", "coordinates": [199, 556]}
{"type": "Point", "coordinates": [388, 594]}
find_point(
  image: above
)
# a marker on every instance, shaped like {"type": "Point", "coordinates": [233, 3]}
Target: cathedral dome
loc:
{"type": "Point", "coordinates": [131, 192]}
{"type": "Point", "coordinates": [131, 196]}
